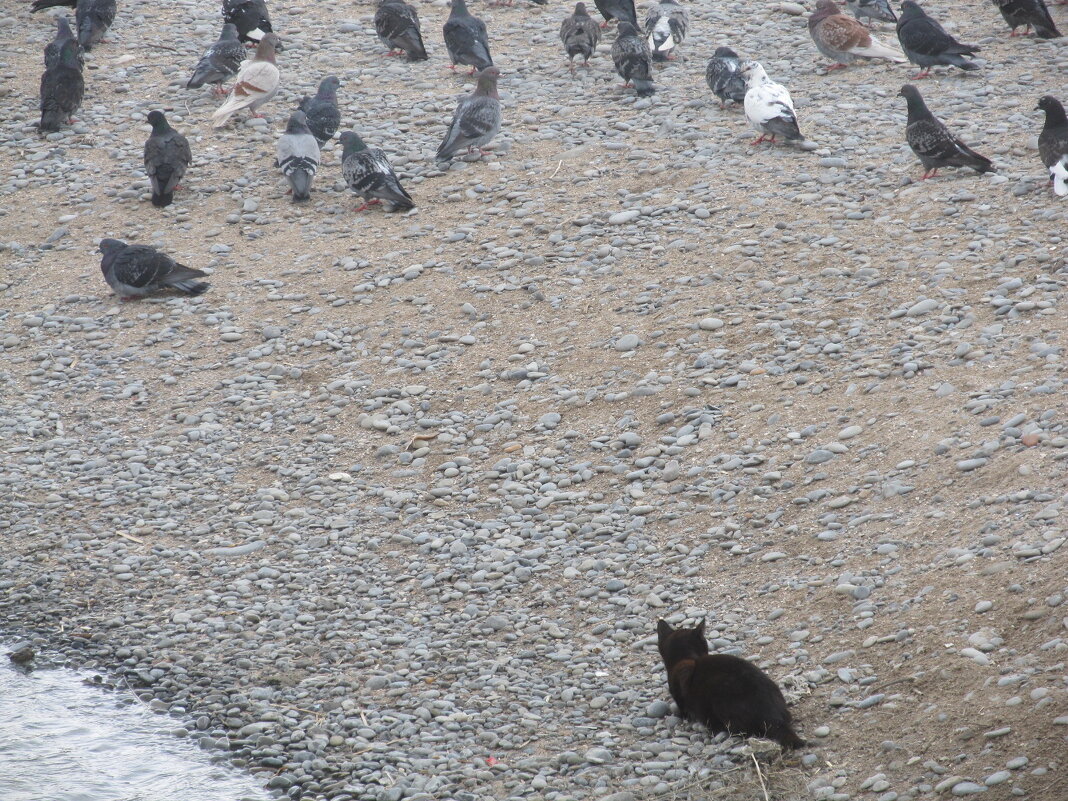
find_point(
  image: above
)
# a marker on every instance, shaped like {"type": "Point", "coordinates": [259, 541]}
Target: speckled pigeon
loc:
{"type": "Point", "coordinates": [580, 35]}
{"type": "Point", "coordinates": [397, 26]}
{"type": "Point", "coordinates": [167, 155]}
{"type": "Point", "coordinates": [878, 10]}
{"type": "Point", "coordinates": [1031, 13]}
{"type": "Point", "coordinates": [250, 17]}
{"type": "Point", "coordinates": [369, 174]}
{"type": "Point", "coordinates": [91, 17]}
{"type": "Point", "coordinates": [63, 34]}
{"type": "Point", "coordinates": [297, 156]}
{"type": "Point", "coordinates": [466, 38]}
{"type": "Point", "coordinates": [62, 88]}
{"type": "Point", "coordinates": [257, 82]}
{"type": "Point", "coordinates": [324, 117]}
{"type": "Point", "coordinates": [666, 27]}
{"type": "Point", "coordinates": [220, 62]}
{"type": "Point", "coordinates": [724, 76]}
{"type": "Point", "coordinates": [932, 142]}
{"type": "Point", "coordinates": [1053, 143]}
{"type": "Point", "coordinates": [133, 271]}
{"type": "Point", "coordinates": [927, 44]}
{"type": "Point", "coordinates": [633, 62]}
{"type": "Point", "coordinates": [477, 118]}
{"type": "Point", "coordinates": [621, 10]}
{"type": "Point", "coordinates": [843, 39]}
{"type": "Point", "coordinates": [769, 108]}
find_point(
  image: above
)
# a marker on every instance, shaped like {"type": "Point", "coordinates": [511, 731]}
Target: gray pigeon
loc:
{"type": "Point", "coordinates": [368, 173]}
{"type": "Point", "coordinates": [62, 88]}
{"type": "Point", "coordinates": [927, 44]}
{"type": "Point", "coordinates": [324, 117]}
{"type": "Point", "coordinates": [877, 10]}
{"type": "Point", "coordinates": [580, 35]}
{"type": "Point", "coordinates": [220, 62]}
{"type": "Point", "coordinates": [666, 28]}
{"type": "Point", "coordinates": [250, 17]}
{"type": "Point", "coordinates": [92, 17]}
{"type": "Point", "coordinates": [477, 119]}
{"type": "Point", "coordinates": [397, 26]}
{"type": "Point", "coordinates": [932, 142]}
{"type": "Point", "coordinates": [466, 38]}
{"type": "Point", "coordinates": [133, 271]}
{"type": "Point", "coordinates": [297, 156]}
{"type": "Point", "coordinates": [1053, 143]}
{"type": "Point", "coordinates": [167, 155]}
{"type": "Point", "coordinates": [1031, 13]}
{"type": "Point", "coordinates": [63, 34]}
{"type": "Point", "coordinates": [723, 76]}
{"type": "Point", "coordinates": [630, 54]}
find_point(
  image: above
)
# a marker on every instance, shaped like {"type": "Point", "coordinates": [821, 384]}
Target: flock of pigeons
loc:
{"type": "Point", "coordinates": [476, 121]}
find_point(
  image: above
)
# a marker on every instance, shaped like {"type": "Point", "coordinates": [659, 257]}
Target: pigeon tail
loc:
{"type": "Point", "coordinates": [191, 287]}
{"type": "Point", "coordinates": [301, 181]}
{"type": "Point", "coordinates": [52, 119]}
{"type": "Point", "coordinates": [959, 61]}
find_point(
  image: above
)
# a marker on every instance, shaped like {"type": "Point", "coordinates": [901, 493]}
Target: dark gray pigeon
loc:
{"type": "Point", "coordinates": [220, 62]}
{"type": "Point", "coordinates": [250, 17]}
{"type": "Point", "coordinates": [133, 271]}
{"type": "Point", "coordinates": [324, 117]}
{"type": "Point", "coordinates": [63, 34]}
{"type": "Point", "coordinates": [580, 35]}
{"type": "Point", "coordinates": [630, 54]}
{"type": "Point", "coordinates": [621, 10]}
{"type": "Point", "coordinates": [926, 43]}
{"type": "Point", "coordinates": [477, 118]}
{"type": "Point", "coordinates": [932, 142]}
{"type": "Point", "coordinates": [466, 38]}
{"type": "Point", "coordinates": [91, 17]}
{"type": "Point", "coordinates": [723, 76]}
{"type": "Point", "coordinates": [167, 155]}
{"type": "Point", "coordinates": [369, 174]}
{"type": "Point", "coordinates": [666, 27]}
{"type": "Point", "coordinates": [62, 88]}
{"type": "Point", "coordinates": [1053, 143]}
{"type": "Point", "coordinates": [1030, 13]}
{"type": "Point", "coordinates": [397, 26]}
{"type": "Point", "coordinates": [878, 10]}
{"type": "Point", "coordinates": [297, 156]}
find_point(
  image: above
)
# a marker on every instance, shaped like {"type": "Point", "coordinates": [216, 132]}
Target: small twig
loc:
{"type": "Point", "coordinates": [559, 164]}
{"type": "Point", "coordinates": [130, 537]}
{"type": "Point", "coordinates": [164, 47]}
{"type": "Point", "coordinates": [760, 775]}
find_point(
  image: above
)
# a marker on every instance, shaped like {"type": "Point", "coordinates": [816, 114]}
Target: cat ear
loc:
{"type": "Point", "coordinates": [663, 628]}
{"type": "Point", "coordinates": [701, 627]}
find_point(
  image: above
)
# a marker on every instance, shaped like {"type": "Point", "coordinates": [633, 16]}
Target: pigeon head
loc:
{"type": "Point", "coordinates": [351, 143]}
{"type": "Point", "coordinates": [459, 8]}
{"type": "Point", "coordinates": [298, 123]}
{"type": "Point", "coordinates": [111, 245]}
{"type": "Point", "coordinates": [917, 108]}
{"type": "Point", "coordinates": [229, 32]}
{"type": "Point", "coordinates": [1053, 108]}
{"type": "Point", "coordinates": [626, 29]}
{"type": "Point", "coordinates": [824, 8]}
{"type": "Point", "coordinates": [158, 122]}
{"type": "Point", "coordinates": [267, 47]}
{"type": "Point", "coordinates": [63, 27]}
{"type": "Point", "coordinates": [725, 52]}
{"type": "Point", "coordinates": [909, 92]}
{"type": "Point", "coordinates": [328, 87]}
{"type": "Point", "coordinates": [909, 8]}
{"type": "Point", "coordinates": [487, 82]}
{"type": "Point", "coordinates": [752, 71]}
{"type": "Point", "coordinates": [580, 10]}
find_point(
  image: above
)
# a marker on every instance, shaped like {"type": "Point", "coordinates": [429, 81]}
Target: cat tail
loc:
{"type": "Point", "coordinates": [784, 734]}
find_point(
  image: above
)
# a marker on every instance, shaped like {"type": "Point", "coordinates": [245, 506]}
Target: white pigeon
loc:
{"type": "Point", "coordinates": [768, 106]}
{"type": "Point", "coordinates": [257, 82]}
{"type": "Point", "coordinates": [1058, 173]}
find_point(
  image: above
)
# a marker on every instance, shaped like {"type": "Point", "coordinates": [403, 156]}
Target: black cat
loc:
{"type": "Point", "coordinates": [724, 692]}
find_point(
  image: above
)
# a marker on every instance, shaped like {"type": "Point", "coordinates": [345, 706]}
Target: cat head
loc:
{"type": "Point", "coordinates": [678, 644]}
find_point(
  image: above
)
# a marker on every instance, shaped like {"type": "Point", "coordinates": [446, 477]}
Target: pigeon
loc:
{"type": "Point", "coordinates": [368, 173]}
{"type": "Point", "coordinates": [297, 155]}
{"type": "Point", "coordinates": [167, 155]}
{"type": "Point", "coordinates": [477, 118]}
{"type": "Point", "coordinates": [323, 114]}
{"type": "Point", "coordinates": [133, 271]}
{"type": "Point", "coordinates": [91, 17]}
{"type": "Point", "coordinates": [397, 26]}
{"type": "Point", "coordinates": [1031, 13]}
{"type": "Point", "coordinates": [466, 39]}
{"type": "Point", "coordinates": [621, 10]}
{"type": "Point", "coordinates": [877, 10]}
{"type": "Point", "coordinates": [927, 45]}
{"type": "Point", "coordinates": [1053, 143]}
{"type": "Point", "coordinates": [630, 54]}
{"type": "Point", "coordinates": [723, 76]}
{"type": "Point", "coordinates": [220, 62]}
{"type": "Point", "coordinates": [580, 35]}
{"type": "Point", "coordinates": [63, 34]}
{"type": "Point", "coordinates": [768, 106]}
{"type": "Point", "coordinates": [932, 141]}
{"type": "Point", "coordinates": [257, 82]}
{"type": "Point", "coordinates": [62, 88]}
{"type": "Point", "coordinates": [250, 17]}
{"type": "Point", "coordinates": [666, 27]}
{"type": "Point", "coordinates": [844, 39]}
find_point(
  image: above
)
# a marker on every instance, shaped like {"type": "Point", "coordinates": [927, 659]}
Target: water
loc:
{"type": "Point", "coordinates": [63, 741]}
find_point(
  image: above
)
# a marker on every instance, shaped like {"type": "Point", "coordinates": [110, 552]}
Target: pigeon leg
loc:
{"type": "Point", "coordinates": [837, 66]}
{"type": "Point", "coordinates": [219, 90]}
{"type": "Point", "coordinates": [758, 141]}
{"type": "Point", "coordinates": [930, 174]}
{"type": "Point", "coordinates": [919, 76]}
{"type": "Point", "coordinates": [473, 71]}
{"type": "Point", "coordinates": [368, 204]}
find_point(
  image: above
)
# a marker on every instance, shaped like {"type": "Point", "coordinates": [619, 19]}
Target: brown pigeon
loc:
{"type": "Point", "coordinates": [844, 39]}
